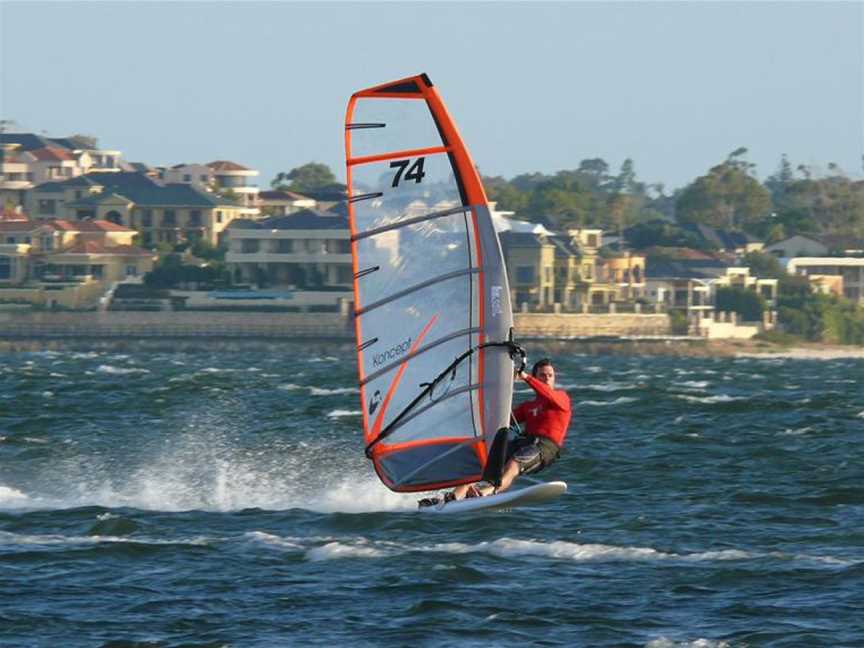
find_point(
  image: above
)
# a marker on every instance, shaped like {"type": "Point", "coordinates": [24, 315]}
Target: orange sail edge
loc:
{"type": "Point", "coordinates": [412, 87]}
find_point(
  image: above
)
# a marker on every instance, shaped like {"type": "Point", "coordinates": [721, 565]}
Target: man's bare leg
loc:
{"type": "Point", "coordinates": [511, 472]}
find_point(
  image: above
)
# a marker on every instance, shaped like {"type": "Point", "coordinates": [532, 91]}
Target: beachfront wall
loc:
{"type": "Point", "coordinates": [173, 324]}
{"type": "Point", "coordinates": [120, 324]}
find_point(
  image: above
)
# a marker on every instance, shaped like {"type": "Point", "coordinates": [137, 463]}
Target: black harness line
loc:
{"type": "Point", "coordinates": [514, 349]}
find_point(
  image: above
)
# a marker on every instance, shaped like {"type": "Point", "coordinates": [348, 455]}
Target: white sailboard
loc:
{"type": "Point", "coordinates": [516, 497]}
{"type": "Point", "coordinates": [432, 313]}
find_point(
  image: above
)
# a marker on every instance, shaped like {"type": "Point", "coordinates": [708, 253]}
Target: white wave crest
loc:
{"type": "Point", "coordinates": [663, 642]}
{"type": "Point", "coordinates": [335, 550]}
{"type": "Point", "coordinates": [340, 413]}
{"type": "Point", "coordinates": [12, 498]}
{"type": "Point", "coordinates": [8, 538]}
{"type": "Point", "coordinates": [322, 391]}
{"type": "Point", "coordinates": [610, 386]}
{"type": "Point", "coordinates": [719, 398]}
{"type": "Point", "coordinates": [510, 548]}
{"type": "Point", "coordinates": [693, 384]}
{"type": "Point", "coordinates": [111, 369]}
{"type": "Point", "coordinates": [273, 540]}
{"type": "Point", "coordinates": [623, 400]}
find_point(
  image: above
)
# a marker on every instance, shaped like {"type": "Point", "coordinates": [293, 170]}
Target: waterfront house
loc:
{"type": "Point", "coordinates": [66, 263]}
{"type": "Point", "coordinates": [160, 212]}
{"type": "Point", "coordinates": [303, 260]}
{"type": "Point", "coordinates": [849, 269]}
{"type": "Point", "coordinates": [798, 245]}
{"type": "Point", "coordinates": [554, 272]}
{"type": "Point", "coordinates": [282, 203]}
{"type": "Point", "coordinates": [28, 160]}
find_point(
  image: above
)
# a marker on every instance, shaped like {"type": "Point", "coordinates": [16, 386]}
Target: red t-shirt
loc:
{"type": "Point", "coordinates": [548, 415]}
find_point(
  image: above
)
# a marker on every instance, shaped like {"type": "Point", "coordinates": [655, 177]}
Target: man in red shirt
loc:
{"type": "Point", "coordinates": [546, 420]}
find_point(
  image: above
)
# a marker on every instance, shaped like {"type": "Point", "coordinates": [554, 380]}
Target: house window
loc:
{"type": "Point", "coordinates": [547, 274]}
{"type": "Point", "coordinates": [5, 267]}
{"type": "Point", "coordinates": [147, 218]}
{"type": "Point", "coordinates": [284, 246]}
{"type": "Point", "coordinates": [97, 271]}
{"type": "Point", "coordinates": [218, 216]}
{"type": "Point", "coordinates": [47, 206]}
{"type": "Point", "coordinates": [46, 242]}
{"type": "Point", "coordinates": [195, 218]}
{"type": "Point", "coordinates": [525, 274]}
{"type": "Point", "coordinates": [169, 218]}
{"type": "Point", "coordinates": [592, 240]}
{"type": "Point", "coordinates": [187, 177]}
{"type": "Point", "coordinates": [344, 275]}
{"type": "Point", "coordinates": [203, 178]}
{"type": "Point", "coordinates": [250, 246]}
{"type": "Point", "coordinates": [131, 271]}
{"type": "Point", "coordinates": [10, 240]}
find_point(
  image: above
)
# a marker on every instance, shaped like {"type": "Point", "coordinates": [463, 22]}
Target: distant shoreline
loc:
{"type": "Point", "coordinates": [676, 347]}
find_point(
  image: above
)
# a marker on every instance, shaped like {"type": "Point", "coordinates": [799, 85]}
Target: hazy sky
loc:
{"type": "Point", "coordinates": [533, 86]}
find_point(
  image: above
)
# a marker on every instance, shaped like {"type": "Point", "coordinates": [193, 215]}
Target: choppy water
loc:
{"type": "Point", "coordinates": [222, 499]}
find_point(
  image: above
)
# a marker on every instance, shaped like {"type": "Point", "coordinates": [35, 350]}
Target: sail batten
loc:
{"type": "Point", "coordinates": [424, 349]}
{"type": "Point", "coordinates": [430, 290]}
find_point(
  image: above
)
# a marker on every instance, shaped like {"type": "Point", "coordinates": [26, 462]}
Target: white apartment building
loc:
{"type": "Point", "coordinates": [849, 269]}
{"type": "Point", "coordinates": [308, 252]}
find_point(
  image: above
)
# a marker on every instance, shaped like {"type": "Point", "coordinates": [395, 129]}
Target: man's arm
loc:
{"type": "Point", "coordinates": [557, 399]}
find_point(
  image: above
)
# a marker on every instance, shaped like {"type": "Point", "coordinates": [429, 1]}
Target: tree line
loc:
{"type": "Point", "coordinates": [793, 200]}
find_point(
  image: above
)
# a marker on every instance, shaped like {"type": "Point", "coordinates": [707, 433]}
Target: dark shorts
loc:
{"type": "Point", "coordinates": [533, 454]}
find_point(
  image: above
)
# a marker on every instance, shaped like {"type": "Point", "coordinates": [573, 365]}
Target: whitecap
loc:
{"type": "Point", "coordinates": [608, 387]}
{"type": "Point", "coordinates": [289, 387]}
{"type": "Point", "coordinates": [110, 369]}
{"type": "Point", "coordinates": [12, 497]}
{"type": "Point", "coordinates": [623, 400]}
{"type": "Point", "coordinates": [272, 540]}
{"type": "Point", "coordinates": [693, 384]}
{"type": "Point", "coordinates": [340, 413]}
{"type": "Point", "coordinates": [336, 550]}
{"type": "Point", "coordinates": [664, 642]}
{"type": "Point", "coordinates": [561, 549]}
{"type": "Point", "coordinates": [719, 398]}
{"type": "Point", "coordinates": [322, 391]}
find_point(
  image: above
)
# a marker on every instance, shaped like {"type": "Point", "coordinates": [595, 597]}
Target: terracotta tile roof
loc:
{"type": "Point", "coordinates": [98, 247]}
{"type": "Point", "coordinates": [10, 214]}
{"type": "Point", "coordinates": [19, 226]}
{"type": "Point", "coordinates": [227, 165]}
{"type": "Point", "coordinates": [51, 153]}
{"type": "Point", "coordinates": [87, 226]}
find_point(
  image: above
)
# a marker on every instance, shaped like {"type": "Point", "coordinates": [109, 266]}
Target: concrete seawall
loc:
{"type": "Point", "coordinates": [286, 326]}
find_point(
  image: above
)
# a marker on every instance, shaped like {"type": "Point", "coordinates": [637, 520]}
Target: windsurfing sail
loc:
{"type": "Point", "coordinates": [432, 311]}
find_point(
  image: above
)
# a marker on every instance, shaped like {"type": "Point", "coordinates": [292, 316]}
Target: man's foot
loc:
{"type": "Point", "coordinates": [473, 491]}
{"type": "Point", "coordinates": [436, 501]}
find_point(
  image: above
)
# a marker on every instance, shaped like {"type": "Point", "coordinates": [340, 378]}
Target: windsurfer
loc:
{"type": "Point", "coordinates": [546, 419]}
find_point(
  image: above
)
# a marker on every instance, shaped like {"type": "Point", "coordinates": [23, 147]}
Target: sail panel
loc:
{"type": "Point", "coordinates": [413, 255]}
{"type": "Point", "coordinates": [406, 126]}
{"type": "Point", "coordinates": [408, 186]}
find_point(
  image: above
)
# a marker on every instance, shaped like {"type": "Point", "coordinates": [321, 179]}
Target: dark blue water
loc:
{"type": "Point", "coordinates": [221, 498]}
